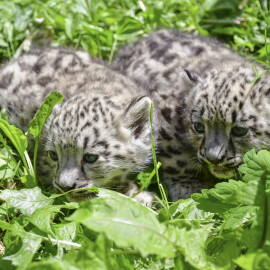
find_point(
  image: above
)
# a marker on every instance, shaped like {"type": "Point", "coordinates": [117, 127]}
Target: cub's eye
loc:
{"type": "Point", "coordinates": [53, 155]}
{"type": "Point", "coordinates": [199, 127]}
{"type": "Point", "coordinates": [239, 131]}
{"type": "Point", "coordinates": [90, 158]}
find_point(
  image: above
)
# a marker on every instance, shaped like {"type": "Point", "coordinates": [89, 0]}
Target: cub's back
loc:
{"type": "Point", "coordinates": [159, 58]}
{"type": "Point", "coordinates": [25, 82]}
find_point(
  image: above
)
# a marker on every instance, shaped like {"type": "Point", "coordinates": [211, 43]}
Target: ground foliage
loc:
{"type": "Point", "coordinates": [101, 26]}
{"type": "Point", "coordinates": [225, 227]}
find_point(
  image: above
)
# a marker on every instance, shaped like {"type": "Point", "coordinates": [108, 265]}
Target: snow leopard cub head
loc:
{"type": "Point", "coordinates": [96, 140]}
{"type": "Point", "coordinates": [228, 116]}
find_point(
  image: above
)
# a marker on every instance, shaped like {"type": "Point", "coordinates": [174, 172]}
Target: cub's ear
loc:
{"type": "Point", "coordinates": [188, 78]}
{"type": "Point", "coordinates": [136, 117]}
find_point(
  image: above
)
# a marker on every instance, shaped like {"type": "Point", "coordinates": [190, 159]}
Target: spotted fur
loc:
{"type": "Point", "coordinates": [205, 100]}
{"type": "Point", "coordinates": [104, 115]}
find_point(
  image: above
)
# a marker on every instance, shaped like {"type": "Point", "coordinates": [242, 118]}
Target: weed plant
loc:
{"type": "Point", "coordinates": [226, 227]}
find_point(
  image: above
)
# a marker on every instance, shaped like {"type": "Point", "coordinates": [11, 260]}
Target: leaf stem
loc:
{"type": "Point", "coordinates": [161, 189]}
{"type": "Point", "coordinates": [29, 166]}
{"type": "Point", "coordinates": [35, 157]}
{"type": "Point", "coordinates": [147, 181]}
{"type": "Point", "coordinates": [265, 222]}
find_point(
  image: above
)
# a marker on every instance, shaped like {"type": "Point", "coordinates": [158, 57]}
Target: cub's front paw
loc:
{"type": "Point", "coordinates": [145, 197]}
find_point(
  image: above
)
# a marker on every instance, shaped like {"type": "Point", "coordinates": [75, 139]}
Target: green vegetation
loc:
{"type": "Point", "coordinates": [101, 26]}
{"type": "Point", "coordinates": [226, 227]}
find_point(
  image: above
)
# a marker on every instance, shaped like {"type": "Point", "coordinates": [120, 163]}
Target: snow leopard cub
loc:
{"type": "Point", "coordinates": [210, 113]}
{"type": "Point", "coordinates": [97, 136]}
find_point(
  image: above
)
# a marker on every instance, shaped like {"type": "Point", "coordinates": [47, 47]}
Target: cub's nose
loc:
{"type": "Point", "coordinates": [215, 155]}
{"type": "Point", "coordinates": [68, 179]}
{"type": "Point", "coordinates": [66, 188]}
{"type": "Point", "coordinates": [214, 160]}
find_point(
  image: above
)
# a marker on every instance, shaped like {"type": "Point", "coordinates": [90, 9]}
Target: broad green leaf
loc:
{"type": "Point", "coordinates": [238, 216]}
{"type": "Point", "coordinates": [51, 265]}
{"type": "Point", "coordinates": [44, 112]}
{"type": "Point", "coordinates": [19, 141]}
{"type": "Point", "coordinates": [3, 112]}
{"type": "Point", "coordinates": [23, 257]}
{"type": "Point", "coordinates": [15, 135]}
{"type": "Point", "coordinates": [98, 256]}
{"type": "Point", "coordinates": [8, 167]}
{"type": "Point", "coordinates": [69, 26]}
{"type": "Point", "coordinates": [5, 226]}
{"type": "Point", "coordinates": [223, 248]}
{"type": "Point", "coordinates": [126, 222]}
{"type": "Point", "coordinates": [25, 249]}
{"type": "Point", "coordinates": [41, 218]}
{"type": "Point", "coordinates": [25, 200]}
{"type": "Point", "coordinates": [3, 212]}
{"type": "Point", "coordinates": [251, 261]}
{"type": "Point", "coordinates": [5, 172]}
{"type": "Point", "coordinates": [94, 256]}
{"type": "Point", "coordinates": [187, 209]}
{"type": "Point", "coordinates": [65, 232]}
{"type": "Point", "coordinates": [192, 243]}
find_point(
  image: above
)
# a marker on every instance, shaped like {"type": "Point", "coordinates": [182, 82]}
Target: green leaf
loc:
{"type": "Point", "coordinates": [69, 27]}
{"type": "Point", "coordinates": [19, 141]}
{"type": "Point", "coordinates": [224, 247]}
{"type": "Point", "coordinates": [187, 209]}
{"type": "Point", "coordinates": [192, 243]}
{"type": "Point", "coordinates": [26, 248]}
{"type": "Point", "coordinates": [238, 216]}
{"type": "Point", "coordinates": [223, 197]}
{"type": "Point", "coordinates": [256, 166]}
{"type": "Point", "coordinates": [25, 200]}
{"type": "Point", "coordinates": [251, 261]}
{"type": "Point", "coordinates": [24, 256]}
{"type": "Point", "coordinates": [99, 256]}
{"type": "Point", "coordinates": [65, 232]}
{"type": "Point", "coordinates": [5, 226]}
{"type": "Point", "coordinates": [41, 218]}
{"type": "Point", "coordinates": [126, 222]}
{"type": "Point", "coordinates": [15, 135]}
{"type": "Point", "coordinates": [93, 256]}
{"type": "Point", "coordinates": [44, 112]}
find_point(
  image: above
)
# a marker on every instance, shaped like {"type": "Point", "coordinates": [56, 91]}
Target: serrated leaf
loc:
{"type": "Point", "coordinates": [44, 112]}
{"type": "Point", "coordinates": [126, 222]}
{"type": "Point", "coordinates": [256, 165]}
{"type": "Point", "coordinates": [25, 200]}
{"type": "Point", "coordinates": [224, 196]}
